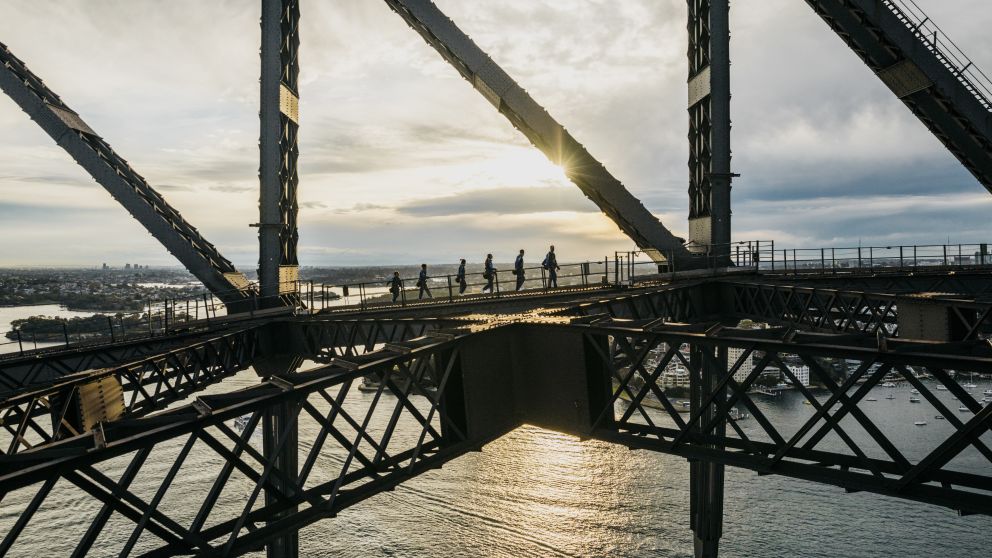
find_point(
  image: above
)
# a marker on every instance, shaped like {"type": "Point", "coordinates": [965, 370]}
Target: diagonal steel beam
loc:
{"type": "Point", "coordinates": [584, 170]}
{"type": "Point", "coordinates": [126, 186]}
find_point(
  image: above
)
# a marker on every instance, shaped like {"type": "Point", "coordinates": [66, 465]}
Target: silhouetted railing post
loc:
{"type": "Point", "coordinates": [900, 257]}
{"type": "Point", "coordinates": [945, 255]}
{"type": "Point", "coordinates": [123, 331]}
{"type": "Point", "coordinates": [20, 343]}
{"type": "Point", "coordinates": [451, 292]}
{"type": "Point", "coordinates": [110, 325]}
{"type": "Point", "coordinates": [65, 332]}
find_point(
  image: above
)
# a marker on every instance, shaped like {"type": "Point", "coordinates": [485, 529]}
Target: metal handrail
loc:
{"type": "Point", "coordinates": [938, 42]}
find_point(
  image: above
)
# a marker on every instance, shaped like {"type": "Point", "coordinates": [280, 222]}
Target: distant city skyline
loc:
{"type": "Point", "coordinates": [402, 161]}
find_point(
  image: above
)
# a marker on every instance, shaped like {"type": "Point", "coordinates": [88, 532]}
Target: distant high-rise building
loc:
{"type": "Point", "coordinates": [127, 266]}
{"type": "Point", "coordinates": [106, 267]}
{"type": "Point", "coordinates": [733, 355]}
{"type": "Point", "coordinates": [801, 373]}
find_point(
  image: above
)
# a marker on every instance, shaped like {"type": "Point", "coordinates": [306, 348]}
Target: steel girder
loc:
{"type": "Point", "coordinates": [126, 186]}
{"type": "Point", "coordinates": [840, 311]}
{"type": "Point", "coordinates": [967, 284]}
{"type": "Point", "coordinates": [71, 406]}
{"type": "Point", "coordinates": [349, 458]}
{"type": "Point", "coordinates": [279, 115]}
{"type": "Point", "coordinates": [45, 366]}
{"type": "Point", "coordinates": [677, 303]}
{"type": "Point", "coordinates": [326, 339]}
{"type": "Point", "coordinates": [821, 449]}
{"type": "Point", "coordinates": [540, 128]}
{"type": "Point", "coordinates": [709, 125]}
{"type": "Point", "coordinates": [915, 67]}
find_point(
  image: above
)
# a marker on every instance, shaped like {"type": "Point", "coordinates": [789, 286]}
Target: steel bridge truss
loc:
{"type": "Point", "coordinates": [943, 317]}
{"type": "Point", "coordinates": [424, 410]}
{"type": "Point", "coordinates": [822, 449]}
{"type": "Point", "coordinates": [77, 405]}
{"type": "Point", "coordinates": [349, 458]}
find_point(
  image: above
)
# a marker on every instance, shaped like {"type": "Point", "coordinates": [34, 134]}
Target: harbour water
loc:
{"type": "Point", "coordinates": [540, 493]}
{"type": "Point", "coordinates": [10, 313]}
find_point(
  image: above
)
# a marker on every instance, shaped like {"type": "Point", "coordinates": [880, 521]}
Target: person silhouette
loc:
{"type": "Point", "coordinates": [422, 283]}
{"type": "Point", "coordinates": [518, 269]}
{"type": "Point", "coordinates": [460, 277]}
{"type": "Point", "coordinates": [551, 264]}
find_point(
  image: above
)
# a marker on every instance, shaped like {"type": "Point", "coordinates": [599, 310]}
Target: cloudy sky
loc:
{"type": "Point", "coordinates": [402, 161]}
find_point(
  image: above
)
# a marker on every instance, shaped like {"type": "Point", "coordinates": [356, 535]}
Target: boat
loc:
{"type": "Point", "coordinates": [890, 396]}
{"type": "Point", "coordinates": [941, 388]}
{"type": "Point", "coordinates": [987, 392]}
{"type": "Point", "coordinates": [914, 391]}
{"type": "Point", "coordinates": [939, 417]}
{"type": "Point", "coordinates": [368, 385]}
{"type": "Point", "coordinates": [871, 399]}
{"type": "Point", "coordinates": [969, 386]}
{"type": "Point", "coordinates": [889, 385]}
{"type": "Point", "coordinates": [963, 409]}
{"type": "Point", "coordinates": [920, 423]}
{"type": "Point", "coordinates": [806, 402]}
{"type": "Point", "coordinates": [914, 399]}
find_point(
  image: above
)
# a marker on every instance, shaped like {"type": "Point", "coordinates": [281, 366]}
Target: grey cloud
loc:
{"type": "Point", "coordinates": [358, 208]}
{"type": "Point", "coordinates": [500, 201]}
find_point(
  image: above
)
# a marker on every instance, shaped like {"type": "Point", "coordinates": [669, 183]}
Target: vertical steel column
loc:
{"type": "Point", "coordinates": [279, 115]}
{"type": "Point", "coordinates": [286, 457]}
{"type": "Point", "coordinates": [709, 126]}
{"type": "Point", "coordinates": [708, 365]}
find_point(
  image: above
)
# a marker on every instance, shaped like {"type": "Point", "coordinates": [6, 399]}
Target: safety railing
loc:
{"type": "Point", "coordinates": [156, 318]}
{"type": "Point", "coordinates": [949, 54]}
{"type": "Point", "coordinates": [859, 258]}
{"type": "Point", "coordinates": [98, 329]}
{"type": "Point", "coordinates": [626, 268]}
{"type": "Point", "coordinates": [446, 288]}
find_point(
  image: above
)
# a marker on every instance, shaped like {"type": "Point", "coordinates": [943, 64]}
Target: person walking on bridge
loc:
{"type": "Point", "coordinates": [395, 285]}
{"type": "Point", "coordinates": [422, 283]}
{"type": "Point", "coordinates": [460, 277]}
{"type": "Point", "coordinates": [518, 269]}
{"type": "Point", "coordinates": [489, 274]}
{"type": "Point", "coordinates": [551, 264]}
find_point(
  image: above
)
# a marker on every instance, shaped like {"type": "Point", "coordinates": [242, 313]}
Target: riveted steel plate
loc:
{"type": "Point", "coordinates": [100, 401]}
{"type": "Point", "coordinates": [289, 104]}
{"type": "Point", "coordinates": [700, 234]}
{"type": "Point", "coordinates": [71, 119]}
{"type": "Point", "coordinates": [288, 276]}
{"type": "Point", "coordinates": [699, 87]}
{"type": "Point", "coordinates": [904, 78]}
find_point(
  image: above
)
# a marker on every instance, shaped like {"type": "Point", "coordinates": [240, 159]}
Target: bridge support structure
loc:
{"type": "Point", "coordinates": [279, 114]}
{"type": "Point", "coordinates": [709, 126]}
{"type": "Point", "coordinates": [709, 364]}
